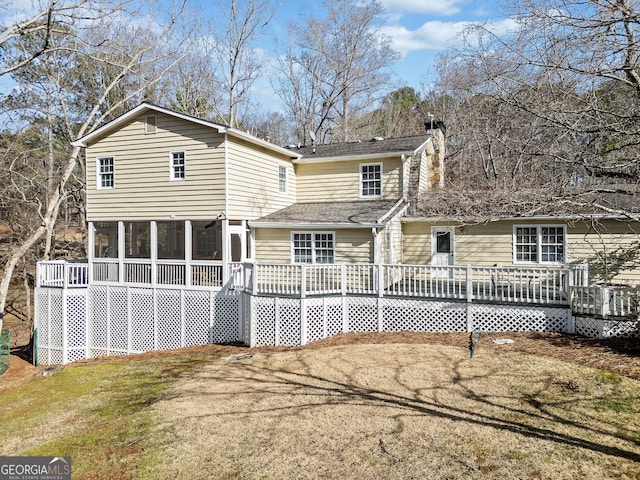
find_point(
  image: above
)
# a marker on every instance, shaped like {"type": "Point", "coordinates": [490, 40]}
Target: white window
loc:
{"type": "Point", "coordinates": [371, 180]}
{"type": "Point", "coordinates": [177, 166]}
{"type": "Point", "coordinates": [282, 179]}
{"type": "Point", "coordinates": [539, 243]}
{"type": "Point", "coordinates": [106, 172]}
{"type": "Point", "coordinates": [313, 247]}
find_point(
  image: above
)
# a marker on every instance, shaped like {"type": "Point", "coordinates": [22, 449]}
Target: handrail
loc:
{"type": "Point", "coordinates": [472, 283]}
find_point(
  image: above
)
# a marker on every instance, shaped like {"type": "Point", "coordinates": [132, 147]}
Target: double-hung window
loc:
{"type": "Point", "coordinates": [539, 243]}
{"type": "Point", "coordinates": [282, 178]}
{"type": "Point", "coordinates": [178, 166]}
{"type": "Point", "coordinates": [313, 247]}
{"type": "Point", "coordinates": [371, 180]}
{"type": "Point", "coordinates": [106, 172]}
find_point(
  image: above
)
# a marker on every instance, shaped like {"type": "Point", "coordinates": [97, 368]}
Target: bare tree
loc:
{"type": "Point", "coordinates": [336, 68]}
{"type": "Point", "coordinates": [100, 62]}
{"type": "Point", "coordinates": [234, 45]}
{"type": "Point", "coordinates": [552, 105]}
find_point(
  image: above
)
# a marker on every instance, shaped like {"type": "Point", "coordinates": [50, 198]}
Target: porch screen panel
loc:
{"type": "Point", "coordinates": [171, 240]}
{"type": "Point", "coordinates": [137, 241]}
{"type": "Point", "coordinates": [206, 240]}
{"type": "Point", "coordinates": [105, 240]}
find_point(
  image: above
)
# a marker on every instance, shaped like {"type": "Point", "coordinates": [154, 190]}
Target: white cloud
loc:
{"type": "Point", "coordinates": [434, 7]}
{"type": "Point", "coordinates": [437, 35]}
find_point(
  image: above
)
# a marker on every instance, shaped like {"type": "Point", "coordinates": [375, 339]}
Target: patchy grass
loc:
{"type": "Point", "coordinates": [97, 413]}
{"type": "Point", "coordinates": [333, 411]}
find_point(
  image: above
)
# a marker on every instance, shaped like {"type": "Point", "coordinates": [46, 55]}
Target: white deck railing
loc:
{"type": "Point", "coordinates": [605, 301]}
{"type": "Point", "coordinates": [472, 283]}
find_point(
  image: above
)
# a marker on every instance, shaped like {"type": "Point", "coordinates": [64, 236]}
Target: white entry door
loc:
{"type": "Point", "coordinates": [442, 247]}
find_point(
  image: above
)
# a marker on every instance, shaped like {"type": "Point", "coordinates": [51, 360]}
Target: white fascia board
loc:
{"type": "Point", "coordinates": [423, 146]}
{"type": "Point", "coordinates": [250, 138]}
{"type": "Point", "coordinates": [345, 158]}
{"type": "Point", "coordinates": [313, 226]}
{"type": "Point", "coordinates": [598, 216]}
{"type": "Point", "coordinates": [126, 117]}
{"type": "Point", "coordinates": [390, 211]}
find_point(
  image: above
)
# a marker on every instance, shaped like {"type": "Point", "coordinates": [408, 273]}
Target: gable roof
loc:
{"type": "Point", "coordinates": [149, 107]}
{"type": "Point", "coordinates": [375, 148]}
{"type": "Point", "coordinates": [360, 214]}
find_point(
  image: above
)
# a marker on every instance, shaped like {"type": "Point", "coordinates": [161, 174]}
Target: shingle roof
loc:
{"type": "Point", "coordinates": [369, 147]}
{"type": "Point", "coordinates": [361, 213]}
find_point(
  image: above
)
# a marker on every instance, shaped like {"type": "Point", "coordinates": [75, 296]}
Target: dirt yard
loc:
{"type": "Point", "coordinates": [362, 406]}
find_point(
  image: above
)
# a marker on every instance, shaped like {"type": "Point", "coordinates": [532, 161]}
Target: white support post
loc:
{"type": "Point", "coordinates": [121, 244]}
{"type": "Point", "coordinates": [183, 327]}
{"type": "Point", "coordinates": [254, 279]}
{"type": "Point", "coordinates": [154, 299]}
{"type": "Point", "coordinates": [303, 280]}
{"type": "Point", "coordinates": [226, 251]}
{"type": "Point", "coordinates": [469, 308]}
{"type": "Point", "coordinates": [276, 321]}
{"type": "Point", "coordinates": [65, 332]}
{"type": "Point", "coordinates": [343, 279]}
{"type": "Point", "coordinates": [345, 314]}
{"type": "Point", "coordinates": [303, 321]}
{"type": "Point", "coordinates": [212, 307]}
{"type": "Point", "coordinates": [188, 255]}
{"type": "Point", "coordinates": [154, 252]}
{"type": "Point", "coordinates": [252, 323]}
{"type": "Point", "coordinates": [571, 321]}
{"type": "Point", "coordinates": [605, 307]}
{"type": "Point", "coordinates": [380, 270]}
{"type": "Point", "coordinates": [129, 326]}
{"type": "Point", "coordinates": [91, 232]}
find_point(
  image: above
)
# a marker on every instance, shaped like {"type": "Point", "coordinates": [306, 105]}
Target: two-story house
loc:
{"type": "Point", "coordinates": [173, 199]}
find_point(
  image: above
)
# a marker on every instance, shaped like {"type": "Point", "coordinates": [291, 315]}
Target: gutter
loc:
{"type": "Point", "coordinates": [586, 216]}
{"type": "Point", "coordinates": [337, 226]}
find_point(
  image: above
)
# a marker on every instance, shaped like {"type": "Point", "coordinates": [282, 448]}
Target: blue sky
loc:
{"type": "Point", "coordinates": [418, 29]}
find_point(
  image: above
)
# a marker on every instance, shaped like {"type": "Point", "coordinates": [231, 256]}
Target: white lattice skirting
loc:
{"type": "Point", "coordinates": [589, 326]}
{"type": "Point", "coordinates": [74, 324]}
{"type": "Point", "coordinates": [294, 321]}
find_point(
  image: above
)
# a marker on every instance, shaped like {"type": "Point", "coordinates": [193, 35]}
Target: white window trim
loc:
{"type": "Point", "coordinates": [99, 174]}
{"type": "Point", "coordinates": [539, 228]}
{"type": "Point", "coordinates": [172, 171]}
{"type": "Point", "coordinates": [313, 246]}
{"type": "Point", "coordinates": [286, 179]}
{"type": "Point", "coordinates": [361, 180]}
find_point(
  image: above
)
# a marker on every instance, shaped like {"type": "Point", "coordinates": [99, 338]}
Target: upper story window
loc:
{"type": "Point", "coordinates": [371, 180]}
{"type": "Point", "coordinates": [106, 172]}
{"type": "Point", "coordinates": [177, 166]}
{"type": "Point", "coordinates": [282, 178]}
{"type": "Point", "coordinates": [539, 243]}
{"type": "Point", "coordinates": [313, 247]}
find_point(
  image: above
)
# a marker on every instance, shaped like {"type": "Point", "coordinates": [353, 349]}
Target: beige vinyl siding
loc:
{"type": "Point", "coordinates": [492, 244]}
{"type": "Point", "coordinates": [143, 189]}
{"type": "Point", "coordinates": [340, 181]}
{"type": "Point", "coordinates": [606, 241]}
{"type": "Point", "coordinates": [253, 180]}
{"type": "Point", "coordinates": [396, 228]}
{"type": "Point", "coordinates": [273, 245]}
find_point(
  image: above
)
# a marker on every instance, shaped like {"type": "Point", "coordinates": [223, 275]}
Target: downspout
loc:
{"type": "Point", "coordinates": [226, 239]}
{"type": "Point", "coordinates": [376, 245]}
{"type": "Point", "coordinates": [405, 176]}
